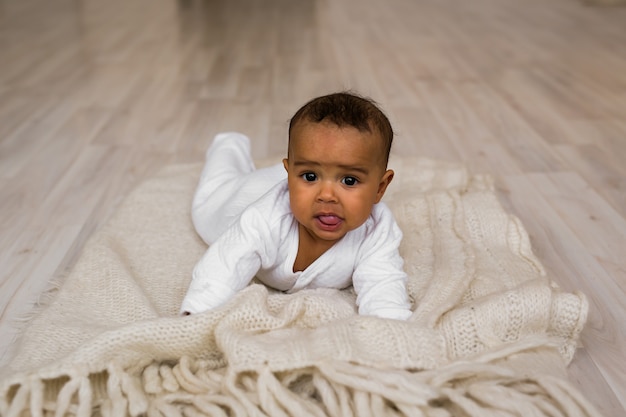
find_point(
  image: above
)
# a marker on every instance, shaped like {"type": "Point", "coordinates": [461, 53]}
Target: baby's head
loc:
{"type": "Point", "coordinates": [337, 164]}
{"type": "Point", "coordinates": [347, 109]}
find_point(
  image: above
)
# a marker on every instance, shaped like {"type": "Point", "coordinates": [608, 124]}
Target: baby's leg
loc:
{"type": "Point", "coordinates": [227, 159]}
{"type": "Point", "coordinates": [228, 184]}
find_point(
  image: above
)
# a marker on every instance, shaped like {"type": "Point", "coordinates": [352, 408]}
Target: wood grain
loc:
{"type": "Point", "coordinates": [96, 96]}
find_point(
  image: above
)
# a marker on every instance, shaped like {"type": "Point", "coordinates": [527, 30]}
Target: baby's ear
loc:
{"type": "Point", "coordinates": [384, 183]}
{"type": "Point", "coordinates": [286, 164]}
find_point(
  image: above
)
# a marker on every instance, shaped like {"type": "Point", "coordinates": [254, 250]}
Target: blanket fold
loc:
{"type": "Point", "coordinates": [491, 334]}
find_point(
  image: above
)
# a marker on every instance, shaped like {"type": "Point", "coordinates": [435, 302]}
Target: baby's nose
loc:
{"type": "Point", "coordinates": [327, 192]}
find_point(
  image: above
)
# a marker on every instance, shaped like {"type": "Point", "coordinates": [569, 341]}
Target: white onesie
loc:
{"type": "Point", "coordinates": [252, 232]}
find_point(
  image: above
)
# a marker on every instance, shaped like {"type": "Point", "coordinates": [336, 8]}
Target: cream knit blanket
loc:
{"type": "Point", "coordinates": [491, 334]}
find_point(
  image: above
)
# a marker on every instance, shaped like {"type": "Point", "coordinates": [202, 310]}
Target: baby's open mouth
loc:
{"type": "Point", "coordinates": [329, 219]}
{"type": "Point", "coordinates": [329, 222]}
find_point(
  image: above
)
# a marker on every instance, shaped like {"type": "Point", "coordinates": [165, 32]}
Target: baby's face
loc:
{"type": "Point", "coordinates": [335, 177]}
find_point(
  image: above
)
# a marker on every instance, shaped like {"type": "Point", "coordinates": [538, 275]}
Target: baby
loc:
{"type": "Point", "coordinates": [314, 221]}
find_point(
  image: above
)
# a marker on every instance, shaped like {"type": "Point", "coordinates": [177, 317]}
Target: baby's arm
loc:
{"type": "Point", "coordinates": [378, 279]}
{"type": "Point", "coordinates": [227, 266]}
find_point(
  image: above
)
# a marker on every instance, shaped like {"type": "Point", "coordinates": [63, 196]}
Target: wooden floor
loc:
{"type": "Point", "coordinates": [97, 95]}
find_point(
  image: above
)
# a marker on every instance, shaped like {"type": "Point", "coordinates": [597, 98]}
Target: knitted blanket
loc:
{"type": "Point", "coordinates": [490, 335]}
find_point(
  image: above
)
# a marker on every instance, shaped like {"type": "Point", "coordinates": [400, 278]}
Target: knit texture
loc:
{"type": "Point", "coordinates": [491, 334]}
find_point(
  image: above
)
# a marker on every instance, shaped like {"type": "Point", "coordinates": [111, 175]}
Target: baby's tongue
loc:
{"type": "Point", "coordinates": [330, 220]}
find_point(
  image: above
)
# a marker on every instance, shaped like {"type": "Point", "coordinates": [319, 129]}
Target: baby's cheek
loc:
{"type": "Point", "coordinates": [298, 207]}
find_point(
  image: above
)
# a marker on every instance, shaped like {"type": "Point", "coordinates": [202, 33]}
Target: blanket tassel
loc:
{"type": "Point", "coordinates": [20, 400]}
{"type": "Point", "coordinates": [125, 394]}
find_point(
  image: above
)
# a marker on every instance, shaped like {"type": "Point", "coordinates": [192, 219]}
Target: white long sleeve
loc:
{"type": "Point", "coordinates": [378, 279]}
{"type": "Point", "coordinates": [227, 267]}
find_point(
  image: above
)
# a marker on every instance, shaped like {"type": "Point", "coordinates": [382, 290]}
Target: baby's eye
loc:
{"type": "Point", "coordinates": [349, 181]}
{"type": "Point", "coordinates": [309, 177]}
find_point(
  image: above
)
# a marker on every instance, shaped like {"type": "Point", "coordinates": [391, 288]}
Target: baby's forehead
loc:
{"type": "Point", "coordinates": [306, 127]}
{"type": "Point", "coordinates": [371, 140]}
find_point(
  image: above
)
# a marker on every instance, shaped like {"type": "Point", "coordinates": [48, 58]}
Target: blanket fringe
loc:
{"type": "Point", "coordinates": [474, 388]}
{"type": "Point", "coordinates": [479, 387]}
